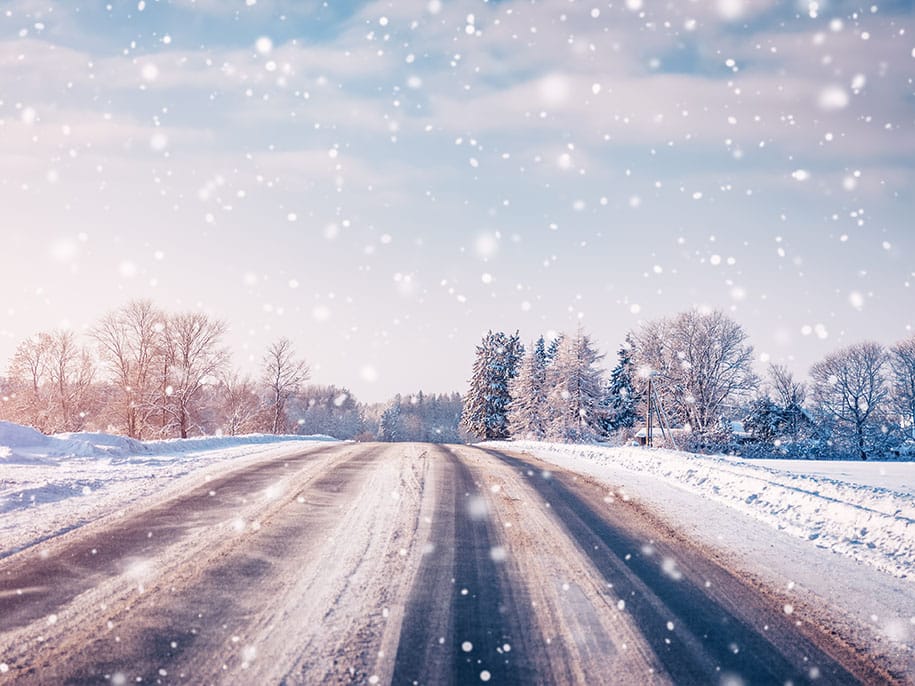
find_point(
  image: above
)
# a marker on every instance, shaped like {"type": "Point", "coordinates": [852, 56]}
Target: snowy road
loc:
{"type": "Point", "coordinates": [395, 563]}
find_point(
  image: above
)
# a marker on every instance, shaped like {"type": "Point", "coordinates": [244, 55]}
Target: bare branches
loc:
{"type": "Point", "coordinates": [241, 405]}
{"type": "Point", "coordinates": [704, 361]}
{"type": "Point", "coordinates": [787, 391]}
{"type": "Point", "coordinates": [902, 368]}
{"type": "Point", "coordinates": [192, 343]}
{"type": "Point", "coordinates": [127, 340]}
{"type": "Point", "coordinates": [283, 374]}
{"type": "Point", "coordinates": [51, 376]}
{"type": "Point", "coordinates": [849, 388]}
{"type": "Point", "coordinates": [159, 375]}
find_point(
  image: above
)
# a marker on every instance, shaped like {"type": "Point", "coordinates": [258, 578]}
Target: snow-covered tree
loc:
{"type": "Point", "coordinates": [485, 413]}
{"type": "Point", "coordinates": [327, 410]}
{"type": "Point", "coordinates": [553, 347]}
{"type": "Point", "coordinates": [621, 397]}
{"type": "Point", "coordinates": [527, 412]}
{"type": "Point", "coordinates": [765, 420]}
{"type": "Point", "coordinates": [851, 392]}
{"type": "Point", "coordinates": [703, 363]}
{"type": "Point", "coordinates": [902, 368]}
{"type": "Point", "coordinates": [28, 382]}
{"type": "Point", "coordinates": [575, 395]}
{"type": "Point", "coordinates": [389, 429]}
{"type": "Point", "coordinates": [422, 417]}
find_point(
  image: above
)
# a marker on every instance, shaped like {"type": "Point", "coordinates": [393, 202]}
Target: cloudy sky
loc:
{"type": "Point", "coordinates": [385, 181]}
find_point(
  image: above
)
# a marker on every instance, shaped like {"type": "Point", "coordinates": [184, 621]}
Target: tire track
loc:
{"type": "Point", "coordinates": [703, 624]}
{"type": "Point", "coordinates": [465, 620]}
{"type": "Point", "coordinates": [150, 596]}
{"type": "Point", "coordinates": [576, 628]}
{"type": "Point", "coordinates": [208, 629]}
{"type": "Point", "coordinates": [33, 586]}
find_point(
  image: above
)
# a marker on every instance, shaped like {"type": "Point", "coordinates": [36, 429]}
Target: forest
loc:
{"type": "Point", "coordinates": [149, 374]}
{"type": "Point", "coordinates": [858, 402]}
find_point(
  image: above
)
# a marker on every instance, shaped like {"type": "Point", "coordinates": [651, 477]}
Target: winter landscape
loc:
{"type": "Point", "coordinates": [457, 342]}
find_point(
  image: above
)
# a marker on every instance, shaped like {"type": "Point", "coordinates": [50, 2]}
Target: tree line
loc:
{"type": "Point", "coordinates": [149, 374]}
{"type": "Point", "coordinates": [858, 401]}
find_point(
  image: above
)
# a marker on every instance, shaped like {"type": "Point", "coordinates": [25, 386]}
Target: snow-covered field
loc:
{"type": "Point", "coordinates": [51, 484]}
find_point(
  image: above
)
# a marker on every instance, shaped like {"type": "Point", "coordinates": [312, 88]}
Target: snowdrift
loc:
{"type": "Point", "coordinates": [24, 445]}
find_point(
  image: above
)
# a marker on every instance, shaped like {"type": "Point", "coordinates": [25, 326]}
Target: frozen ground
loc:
{"type": "Point", "coordinates": [893, 476]}
{"type": "Point", "coordinates": [51, 484]}
{"type": "Point", "coordinates": [836, 538]}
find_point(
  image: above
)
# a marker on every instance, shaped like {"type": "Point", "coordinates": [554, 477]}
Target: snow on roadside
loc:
{"type": "Point", "coordinates": [830, 504]}
{"type": "Point", "coordinates": [52, 484]}
{"type": "Point", "coordinates": [24, 445]}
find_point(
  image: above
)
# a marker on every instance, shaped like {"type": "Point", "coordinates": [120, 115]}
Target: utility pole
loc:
{"type": "Point", "coordinates": [648, 441]}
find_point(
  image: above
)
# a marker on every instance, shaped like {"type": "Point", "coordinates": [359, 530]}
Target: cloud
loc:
{"type": "Point", "coordinates": [249, 7]}
{"type": "Point", "coordinates": [533, 75]}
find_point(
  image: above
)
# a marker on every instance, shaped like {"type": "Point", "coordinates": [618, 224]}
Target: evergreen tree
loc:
{"type": "Point", "coordinates": [421, 417]}
{"type": "Point", "coordinates": [765, 420]}
{"type": "Point", "coordinates": [486, 404]}
{"type": "Point", "coordinates": [389, 429]}
{"type": "Point", "coordinates": [622, 398]}
{"type": "Point", "coordinates": [553, 348]}
{"type": "Point", "coordinates": [574, 401]}
{"type": "Point", "coordinates": [527, 412]}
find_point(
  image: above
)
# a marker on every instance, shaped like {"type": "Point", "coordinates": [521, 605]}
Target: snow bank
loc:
{"type": "Point", "coordinates": [25, 445]}
{"type": "Point", "coordinates": [52, 484]}
{"type": "Point", "coordinates": [833, 504]}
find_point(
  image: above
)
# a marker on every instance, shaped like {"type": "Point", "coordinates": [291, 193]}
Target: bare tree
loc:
{"type": "Point", "coordinates": [785, 388]}
{"type": "Point", "coordinates": [790, 396]}
{"type": "Point", "coordinates": [283, 375]}
{"type": "Point", "coordinates": [849, 388]}
{"type": "Point", "coordinates": [71, 371]}
{"type": "Point", "coordinates": [902, 369]}
{"type": "Point", "coordinates": [192, 355]}
{"type": "Point", "coordinates": [127, 340]}
{"type": "Point", "coordinates": [703, 361]}
{"type": "Point", "coordinates": [241, 407]}
{"type": "Point", "coordinates": [28, 376]}
{"type": "Point", "coordinates": [51, 381]}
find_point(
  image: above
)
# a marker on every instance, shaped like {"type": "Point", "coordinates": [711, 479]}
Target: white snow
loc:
{"type": "Point", "coordinates": [52, 484]}
{"type": "Point", "coordinates": [864, 510]}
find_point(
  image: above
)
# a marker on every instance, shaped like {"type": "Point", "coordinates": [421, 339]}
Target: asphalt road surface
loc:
{"type": "Point", "coordinates": [403, 564]}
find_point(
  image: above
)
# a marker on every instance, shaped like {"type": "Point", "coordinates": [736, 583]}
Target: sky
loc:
{"type": "Point", "coordinates": [383, 182]}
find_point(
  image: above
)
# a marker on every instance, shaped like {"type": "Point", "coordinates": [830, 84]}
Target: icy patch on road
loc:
{"type": "Point", "coordinates": [834, 505]}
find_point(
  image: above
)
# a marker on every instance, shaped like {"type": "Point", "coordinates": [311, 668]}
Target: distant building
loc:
{"type": "Point", "coordinates": [657, 436]}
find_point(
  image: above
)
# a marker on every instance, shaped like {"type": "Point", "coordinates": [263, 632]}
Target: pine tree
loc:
{"type": "Point", "coordinates": [765, 420]}
{"type": "Point", "coordinates": [527, 412]}
{"type": "Point", "coordinates": [486, 404]}
{"type": "Point", "coordinates": [622, 398]}
{"type": "Point", "coordinates": [574, 401]}
{"type": "Point", "coordinates": [553, 348]}
{"type": "Point", "coordinates": [389, 426]}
